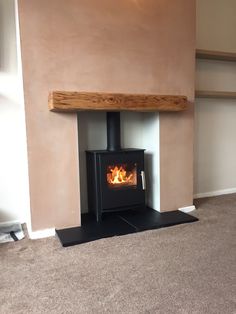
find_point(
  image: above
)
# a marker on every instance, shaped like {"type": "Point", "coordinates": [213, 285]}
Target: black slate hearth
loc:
{"type": "Point", "coordinates": [120, 223]}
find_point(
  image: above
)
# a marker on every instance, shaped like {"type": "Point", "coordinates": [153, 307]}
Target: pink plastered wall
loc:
{"type": "Point", "coordinates": [129, 46]}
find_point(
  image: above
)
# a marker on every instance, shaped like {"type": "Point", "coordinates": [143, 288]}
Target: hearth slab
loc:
{"type": "Point", "coordinates": [92, 231]}
{"type": "Point", "coordinates": [151, 219]}
{"type": "Point", "coordinates": [120, 223]}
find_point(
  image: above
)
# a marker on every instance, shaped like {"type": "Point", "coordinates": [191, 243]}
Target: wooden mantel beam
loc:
{"type": "Point", "coordinates": [86, 101]}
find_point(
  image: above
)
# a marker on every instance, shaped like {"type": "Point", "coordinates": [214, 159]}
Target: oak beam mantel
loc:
{"type": "Point", "coordinates": [60, 101]}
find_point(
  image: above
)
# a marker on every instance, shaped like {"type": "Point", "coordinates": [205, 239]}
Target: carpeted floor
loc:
{"type": "Point", "coordinates": [182, 269]}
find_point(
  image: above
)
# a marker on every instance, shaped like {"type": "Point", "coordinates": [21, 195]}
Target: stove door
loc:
{"type": "Point", "coordinates": [122, 180]}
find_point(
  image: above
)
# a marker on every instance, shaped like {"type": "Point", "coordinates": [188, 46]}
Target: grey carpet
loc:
{"type": "Point", "coordinates": [182, 269]}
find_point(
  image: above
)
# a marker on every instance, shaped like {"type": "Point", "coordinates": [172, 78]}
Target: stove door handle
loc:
{"type": "Point", "coordinates": [143, 180]}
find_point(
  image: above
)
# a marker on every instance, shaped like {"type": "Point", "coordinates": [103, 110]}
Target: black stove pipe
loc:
{"type": "Point", "coordinates": [113, 131]}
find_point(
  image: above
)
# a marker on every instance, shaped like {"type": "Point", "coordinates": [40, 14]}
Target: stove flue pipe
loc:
{"type": "Point", "coordinates": [113, 131]}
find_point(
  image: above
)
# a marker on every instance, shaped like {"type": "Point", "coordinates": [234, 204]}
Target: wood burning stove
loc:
{"type": "Point", "coordinates": [115, 177]}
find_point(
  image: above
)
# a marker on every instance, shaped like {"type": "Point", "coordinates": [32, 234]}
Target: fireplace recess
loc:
{"type": "Point", "coordinates": [115, 177]}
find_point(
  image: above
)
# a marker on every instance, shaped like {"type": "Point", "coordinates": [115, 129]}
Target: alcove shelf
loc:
{"type": "Point", "coordinates": [215, 55]}
{"type": "Point", "coordinates": [64, 101]}
{"type": "Point", "coordinates": [218, 56]}
{"type": "Point", "coordinates": [215, 94]}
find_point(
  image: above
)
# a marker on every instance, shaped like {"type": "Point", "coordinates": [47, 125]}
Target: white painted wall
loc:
{"type": "Point", "coordinates": [138, 130]}
{"type": "Point", "coordinates": [14, 195]}
{"type": "Point", "coordinates": [216, 24]}
{"type": "Point", "coordinates": [215, 120]}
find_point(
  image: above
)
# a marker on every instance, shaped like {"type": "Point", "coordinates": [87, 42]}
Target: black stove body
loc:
{"type": "Point", "coordinates": [115, 177]}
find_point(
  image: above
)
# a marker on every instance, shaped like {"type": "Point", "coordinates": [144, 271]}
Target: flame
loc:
{"type": "Point", "coordinates": [118, 175]}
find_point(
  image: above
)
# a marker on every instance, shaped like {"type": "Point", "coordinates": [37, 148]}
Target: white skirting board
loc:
{"type": "Point", "coordinates": [215, 193]}
{"type": "Point", "coordinates": [51, 231]}
{"type": "Point", "coordinates": [45, 233]}
{"type": "Point", "coordinates": [187, 209]}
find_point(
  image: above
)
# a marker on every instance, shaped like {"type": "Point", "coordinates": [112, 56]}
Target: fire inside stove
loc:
{"type": "Point", "coordinates": [122, 175]}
